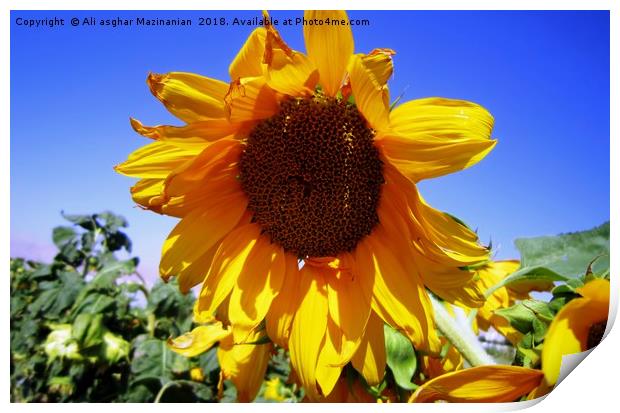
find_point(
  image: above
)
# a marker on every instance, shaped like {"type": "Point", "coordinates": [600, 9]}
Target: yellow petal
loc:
{"type": "Point", "coordinates": [284, 306]}
{"type": "Point", "coordinates": [435, 136]}
{"type": "Point", "coordinates": [221, 180]}
{"type": "Point", "coordinates": [308, 328]}
{"type": "Point", "coordinates": [484, 384]}
{"type": "Point", "coordinates": [293, 74]}
{"type": "Point", "coordinates": [371, 98]}
{"type": "Point", "coordinates": [249, 60]}
{"type": "Point", "coordinates": [330, 363]}
{"type": "Point", "coordinates": [188, 96]}
{"type": "Point", "coordinates": [379, 62]}
{"type": "Point", "coordinates": [199, 340]}
{"type": "Point", "coordinates": [155, 160]}
{"type": "Point", "coordinates": [349, 303]}
{"type": "Point", "coordinates": [245, 365]}
{"type": "Point", "coordinates": [195, 272]}
{"type": "Point", "coordinates": [197, 135]}
{"type": "Point", "coordinates": [250, 98]}
{"type": "Point", "coordinates": [436, 234]}
{"type": "Point", "coordinates": [227, 264]}
{"type": "Point", "coordinates": [399, 297]}
{"type": "Point", "coordinates": [145, 190]}
{"type": "Point", "coordinates": [569, 330]}
{"type": "Point", "coordinates": [329, 47]}
{"type": "Point", "coordinates": [369, 360]}
{"type": "Point", "coordinates": [196, 233]}
{"type": "Point", "coordinates": [191, 175]}
{"type": "Point", "coordinates": [597, 290]}
{"type": "Point", "coordinates": [258, 284]}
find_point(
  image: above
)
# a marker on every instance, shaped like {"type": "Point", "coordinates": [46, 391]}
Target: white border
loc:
{"type": "Point", "coordinates": [590, 387]}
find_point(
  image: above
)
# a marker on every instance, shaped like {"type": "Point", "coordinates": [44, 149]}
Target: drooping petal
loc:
{"type": "Point", "coordinates": [258, 284]}
{"type": "Point", "coordinates": [155, 160]}
{"type": "Point", "coordinates": [349, 303]}
{"type": "Point", "coordinates": [330, 363]}
{"type": "Point", "coordinates": [284, 306]}
{"type": "Point", "coordinates": [437, 235]}
{"type": "Point", "coordinates": [329, 47]}
{"type": "Point", "coordinates": [435, 136]}
{"type": "Point", "coordinates": [245, 365]}
{"type": "Point", "coordinates": [371, 98]}
{"type": "Point", "coordinates": [199, 340]}
{"type": "Point", "coordinates": [249, 60]}
{"type": "Point", "coordinates": [369, 359]}
{"type": "Point", "coordinates": [250, 98]}
{"type": "Point", "coordinates": [197, 135]}
{"type": "Point", "coordinates": [570, 328]}
{"type": "Point", "coordinates": [308, 329]}
{"type": "Point", "coordinates": [484, 384]}
{"type": "Point", "coordinates": [399, 297]}
{"type": "Point", "coordinates": [188, 96]}
{"type": "Point", "coordinates": [227, 264]}
{"type": "Point", "coordinates": [197, 232]}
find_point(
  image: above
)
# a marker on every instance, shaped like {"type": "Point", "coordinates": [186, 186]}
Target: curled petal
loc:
{"type": "Point", "coordinates": [188, 96]}
{"type": "Point", "coordinates": [199, 340]}
{"type": "Point", "coordinates": [484, 384]}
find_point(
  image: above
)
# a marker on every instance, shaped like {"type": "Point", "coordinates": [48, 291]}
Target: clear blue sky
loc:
{"type": "Point", "coordinates": [543, 75]}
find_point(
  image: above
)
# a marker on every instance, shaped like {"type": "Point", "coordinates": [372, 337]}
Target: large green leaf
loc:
{"type": "Point", "coordinates": [153, 359]}
{"type": "Point", "coordinates": [567, 254]}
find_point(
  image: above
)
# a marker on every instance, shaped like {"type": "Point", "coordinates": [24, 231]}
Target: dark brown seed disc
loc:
{"type": "Point", "coordinates": [595, 334]}
{"type": "Point", "coordinates": [313, 177]}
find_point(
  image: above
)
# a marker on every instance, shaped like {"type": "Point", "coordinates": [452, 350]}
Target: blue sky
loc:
{"type": "Point", "coordinates": [543, 75]}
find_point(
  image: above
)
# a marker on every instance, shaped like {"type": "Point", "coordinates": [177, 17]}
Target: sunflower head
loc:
{"type": "Point", "coordinates": [313, 176]}
{"type": "Point", "coordinates": [295, 183]}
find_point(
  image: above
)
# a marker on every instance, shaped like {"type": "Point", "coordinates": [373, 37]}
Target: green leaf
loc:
{"type": "Point", "coordinates": [568, 254]}
{"type": "Point", "coordinates": [88, 330]}
{"type": "Point", "coordinates": [88, 222]}
{"type": "Point", "coordinates": [152, 358]}
{"type": "Point", "coordinates": [63, 235]}
{"type": "Point", "coordinates": [401, 357]}
{"type": "Point", "coordinates": [527, 275]}
{"type": "Point", "coordinates": [519, 316]}
{"type": "Point", "coordinates": [540, 308]}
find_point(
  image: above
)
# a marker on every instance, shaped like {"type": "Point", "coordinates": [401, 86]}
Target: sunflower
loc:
{"type": "Point", "coordinates": [295, 183]}
{"type": "Point", "coordinates": [578, 326]}
{"type": "Point", "coordinates": [487, 277]}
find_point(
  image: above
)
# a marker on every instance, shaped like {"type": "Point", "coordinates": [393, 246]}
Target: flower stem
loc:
{"type": "Point", "coordinates": [463, 339]}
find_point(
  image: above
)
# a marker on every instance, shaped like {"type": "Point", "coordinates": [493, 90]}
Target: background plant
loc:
{"type": "Point", "coordinates": [87, 328]}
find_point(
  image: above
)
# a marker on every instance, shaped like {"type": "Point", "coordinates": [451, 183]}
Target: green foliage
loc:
{"type": "Point", "coordinates": [568, 260]}
{"type": "Point", "coordinates": [400, 357]}
{"type": "Point", "coordinates": [83, 330]}
{"type": "Point", "coordinates": [567, 254]}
